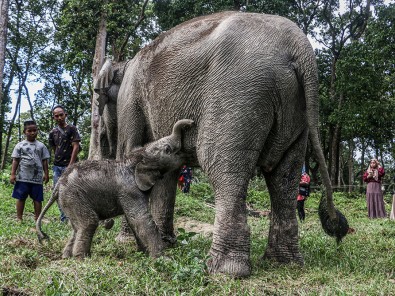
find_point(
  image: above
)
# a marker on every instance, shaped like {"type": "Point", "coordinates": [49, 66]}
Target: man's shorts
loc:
{"type": "Point", "coordinates": [23, 189]}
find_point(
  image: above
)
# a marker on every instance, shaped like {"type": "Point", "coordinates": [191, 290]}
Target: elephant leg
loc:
{"type": "Point", "coordinates": [147, 235]}
{"type": "Point", "coordinates": [162, 202]}
{"type": "Point", "coordinates": [126, 233]}
{"type": "Point", "coordinates": [83, 238]}
{"type": "Point", "coordinates": [112, 130]}
{"type": "Point", "coordinates": [129, 135]}
{"type": "Point", "coordinates": [68, 249]}
{"type": "Point", "coordinates": [282, 183]}
{"type": "Point", "coordinates": [230, 249]}
{"type": "Point", "coordinates": [142, 224]}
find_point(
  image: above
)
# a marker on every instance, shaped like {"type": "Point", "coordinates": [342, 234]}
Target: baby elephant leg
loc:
{"type": "Point", "coordinates": [83, 238]}
{"type": "Point", "coordinates": [68, 249]}
{"type": "Point", "coordinates": [147, 235]}
{"type": "Point", "coordinates": [144, 228]}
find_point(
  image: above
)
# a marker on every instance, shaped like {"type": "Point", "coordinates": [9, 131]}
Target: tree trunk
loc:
{"type": "Point", "coordinates": [351, 165]}
{"type": "Point", "coordinates": [100, 51]}
{"type": "Point", "coordinates": [3, 41]}
{"type": "Point", "coordinates": [363, 150]}
{"type": "Point", "coordinates": [7, 143]}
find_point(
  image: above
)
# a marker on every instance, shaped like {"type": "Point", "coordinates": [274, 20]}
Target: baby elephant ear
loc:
{"type": "Point", "coordinates": [145, 178]}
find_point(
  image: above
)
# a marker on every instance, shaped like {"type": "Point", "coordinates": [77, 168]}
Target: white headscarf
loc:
{"type": "Point", "coordinates": [376, 170]}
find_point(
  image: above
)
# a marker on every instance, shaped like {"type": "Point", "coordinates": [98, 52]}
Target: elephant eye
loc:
{"type": "Point", "coordinates": [167, 149]}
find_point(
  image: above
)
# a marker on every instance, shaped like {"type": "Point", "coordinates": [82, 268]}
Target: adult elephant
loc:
{"type": "Point", "coordinates": [107, 86]}
{"type": "Point", "coordinates": [249, 82]}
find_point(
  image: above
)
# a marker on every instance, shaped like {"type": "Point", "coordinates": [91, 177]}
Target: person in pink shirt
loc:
{"type": "Point", "coordinates": [374, 195]}
{"type": "Point", "coordinates": [304, 192]}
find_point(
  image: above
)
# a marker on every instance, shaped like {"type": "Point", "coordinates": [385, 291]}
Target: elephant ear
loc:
{"type": "Point", "coordinates": [105, 77]}
{"type": "Point", "coordinates": [103, 84]}
{"type": "Point", "coordinates": [146, 177]}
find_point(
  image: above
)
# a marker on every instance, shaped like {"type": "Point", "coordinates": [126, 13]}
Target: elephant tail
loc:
{"type": "Point", "coordinates": [40, 234]}
{"type": "Point", "coordinates": [333, 221]}
{"type": "Point", "coordinates": [339, 229]}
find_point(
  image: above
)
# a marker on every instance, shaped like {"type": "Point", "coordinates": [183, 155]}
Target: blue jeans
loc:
{"type": "Point", "coordinates": [57, 172]}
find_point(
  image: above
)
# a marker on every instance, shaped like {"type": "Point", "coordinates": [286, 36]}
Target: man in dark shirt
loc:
{"type": "Point", "coordinates": [64, 141]}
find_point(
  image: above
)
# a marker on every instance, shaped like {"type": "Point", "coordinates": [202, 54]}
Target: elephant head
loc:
{"type": "Point", "coordinates": [160, 157]}
{"type": "Point", "coordinates": [108, 82]}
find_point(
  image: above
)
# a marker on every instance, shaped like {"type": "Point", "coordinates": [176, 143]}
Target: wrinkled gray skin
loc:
{"type": "Point", "coordinates": [249, 81]}
{"type": "Point", "coordinates": [107, 86]}
{"type": "Point", "coordinates": [90, 191]}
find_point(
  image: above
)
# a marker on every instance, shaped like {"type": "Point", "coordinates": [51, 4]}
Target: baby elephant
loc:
{"type": "Point", "coordinates": [90, 191]}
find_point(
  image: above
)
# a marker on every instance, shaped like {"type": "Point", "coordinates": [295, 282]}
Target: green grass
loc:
{"type": "Point", "coordinates": [364, 264]}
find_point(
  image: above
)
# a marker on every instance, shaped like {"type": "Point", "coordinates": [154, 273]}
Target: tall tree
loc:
{"type": "Point", "coordinates": [337, 29]}
{"type": "Point", "coordinates": [3, 41]}
{"type": "Point", "coordinates": [28, 33]}
{"type": "Point", "coordinates": [366, 78]}
{"type": "Point", "coordinates": [98, 61]}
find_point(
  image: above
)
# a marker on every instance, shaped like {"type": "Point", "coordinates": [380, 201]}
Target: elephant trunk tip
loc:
{"type": "Point", "coordinates": [42, 236]}
{"type": "Point", "coordinates": [179, 125]}
{"type": "Point", "coordinates": [177, 130]}
{"type": "Point", "coordinates": [337, 227]}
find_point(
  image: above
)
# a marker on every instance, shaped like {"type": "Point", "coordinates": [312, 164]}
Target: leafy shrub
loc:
{"type": "Point", "coordinates": [258, 184]}
{"type": "Point", "coordinates": [258, 199]}
{"type": "Point", "coordinates": [202, 191]}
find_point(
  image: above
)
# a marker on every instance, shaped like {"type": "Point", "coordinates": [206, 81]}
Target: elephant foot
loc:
{"type": "Point", "coordinates": [283, 255]}
{"type": "Point", "coordinates": [157, 251]}
{"type": "Point", "coordinates": [125, 237]}
{"type": "Point", "coordinates": [235, 265]}
{"type": "Point", "coordinates": [108, 224]}
{"type": "Point", "coordinates": [66, 255]}
{"type": "Point", "coordinates": [169, 240]}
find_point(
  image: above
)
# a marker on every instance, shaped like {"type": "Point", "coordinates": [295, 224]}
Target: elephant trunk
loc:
{"type": "Point", "coordinates": [176, 136]}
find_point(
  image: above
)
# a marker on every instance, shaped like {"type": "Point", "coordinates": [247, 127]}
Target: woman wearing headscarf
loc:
{"type": "Point", "coordinates": [374, 194]}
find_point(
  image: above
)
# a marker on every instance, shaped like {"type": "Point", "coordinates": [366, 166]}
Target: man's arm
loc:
{"type": "Point", "coordinates": [76, 148]}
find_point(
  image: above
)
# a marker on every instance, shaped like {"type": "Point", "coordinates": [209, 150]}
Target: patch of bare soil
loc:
{"type": "Point", "coordinates": [9, 291]}
{"type": "Point", "coordinates": [191, 225]}
{"type": "Point", "coordinates": [206, 229]}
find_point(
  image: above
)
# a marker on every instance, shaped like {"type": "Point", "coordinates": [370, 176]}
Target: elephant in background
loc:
{"type": "Point", "coordinates": [107, 86]}
{"type": "Point", "coordinates": [94, 190]}
{"type": "Point", "coordinates": [250, 83]}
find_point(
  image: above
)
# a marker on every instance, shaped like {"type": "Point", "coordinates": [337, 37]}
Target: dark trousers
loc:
{"type": "Point", "coordinates": [57, 172]}
{"type": "Point", "coordinates": [300, 207]}
{"type": "Point", "coordinates": [187, 186]}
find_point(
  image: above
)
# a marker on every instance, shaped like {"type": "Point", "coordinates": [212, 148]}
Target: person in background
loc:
{"type": "Point", "coordinates": [186, 177]}
{"type": "Point", "coordinates": [29, 170]}
{"type": "Point", "coordinates": [304, 192]}
{"type": "Point", "coordinates": [392, 214]}
{"type": "Point", "coordinates": [180, 181]}
{"type": "Point", "coordinates": [64, 140]}
{"type": "Point", "coordinates": [374, 195]}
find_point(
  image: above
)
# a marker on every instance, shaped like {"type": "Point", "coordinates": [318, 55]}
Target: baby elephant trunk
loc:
{"type": "Point", "coordinates": [176, 136]}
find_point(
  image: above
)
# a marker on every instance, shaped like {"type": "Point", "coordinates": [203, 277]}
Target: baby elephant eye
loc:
{"type": "Point", "coordinates": [168, 149]}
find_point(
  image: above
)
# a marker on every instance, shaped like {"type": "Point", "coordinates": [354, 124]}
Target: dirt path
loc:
{"type": "Point", "coordinates": [190, 225]}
